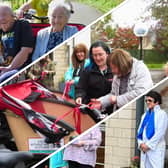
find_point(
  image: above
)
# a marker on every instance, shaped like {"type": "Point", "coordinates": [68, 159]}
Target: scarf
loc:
{"type": "Point", "coordinates": [149, 123]}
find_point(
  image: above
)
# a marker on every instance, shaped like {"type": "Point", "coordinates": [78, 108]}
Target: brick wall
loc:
{"type": "Point", "coordinates": [61, 59]}
{"type": "Point", "coordinates": [120, 138]}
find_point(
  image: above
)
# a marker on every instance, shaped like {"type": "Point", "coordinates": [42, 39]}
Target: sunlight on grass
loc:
{"type": "Point", "coordinates": [155, 66]}
{"type": "Point", "coordinates": [102, 5]}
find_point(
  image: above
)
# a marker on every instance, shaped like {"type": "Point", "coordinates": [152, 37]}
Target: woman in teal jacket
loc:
{"type": "Point", "coordinates": [79, 62]}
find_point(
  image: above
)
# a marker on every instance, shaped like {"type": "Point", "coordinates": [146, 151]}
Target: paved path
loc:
{"type": "Point", "coordinates": [84, 14]}
{"type": "Point", "coordinates": [157, 75]}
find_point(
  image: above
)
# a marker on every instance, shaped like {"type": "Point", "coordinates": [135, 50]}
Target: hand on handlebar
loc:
{"type": "Point", "coordinates": [19, 13]}
{"type": "Point", "coordinates": [71, 81]}
{"type": "Point", "coordinates": [4, 69]}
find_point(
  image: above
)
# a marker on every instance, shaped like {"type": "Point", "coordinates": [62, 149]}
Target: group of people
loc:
{"type": "Point", "coordinates": [150, 137]}
{"type": "Point", "coordinates": [103, 78]}
{"type": "Point", "coordinates": [110, 79]}
{"type": "Point", "coordinates": [18, 46]}
{"type": "Point", "coordinates": [106, 79]}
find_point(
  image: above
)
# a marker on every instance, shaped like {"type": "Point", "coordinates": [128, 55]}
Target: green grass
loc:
{"type": "Point", "coordinates": [155, 66]}
{"type": "Point", "coordinates": [152, 58]}
{"type": "Point", "coordinates": [15, 3]}
{"type": "Point", "coordinates": [102, 5]}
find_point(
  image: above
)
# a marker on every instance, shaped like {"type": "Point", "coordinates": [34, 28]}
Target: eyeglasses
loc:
{"type": "Point", "coordinates": [149, 100]}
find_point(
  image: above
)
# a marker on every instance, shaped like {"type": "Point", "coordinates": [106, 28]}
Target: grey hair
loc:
{"type": "Point", "coordinates": [7, 7]}
{"type": "Point", "coordinates": [60, 4]}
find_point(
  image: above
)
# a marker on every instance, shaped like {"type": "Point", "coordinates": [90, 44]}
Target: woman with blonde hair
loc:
{"type": "Point", "coordinates": [131, 79]}
{"type": "Point", "coordinates": [79, 62]}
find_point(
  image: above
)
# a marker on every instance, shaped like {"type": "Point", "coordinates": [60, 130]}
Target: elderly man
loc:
{"type": "Point", "coordinates": [151, 133]}
{"type": "Point", "coordinates": [17, 41]}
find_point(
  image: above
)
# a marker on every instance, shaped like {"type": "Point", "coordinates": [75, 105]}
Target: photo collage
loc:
{"type": "Point", "coordinates": [83, 84]}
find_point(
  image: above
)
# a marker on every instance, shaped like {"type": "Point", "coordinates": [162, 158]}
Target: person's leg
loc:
{"type": "Point", "coordinates": [73, 164]}
{"type": "Point", "coordinates": [85, 166]}
{"type": "Point", "coordinates": [156, 158]}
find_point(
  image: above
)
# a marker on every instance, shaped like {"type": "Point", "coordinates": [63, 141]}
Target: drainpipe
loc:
{"type": "Point", "coordinates": [139, 112]}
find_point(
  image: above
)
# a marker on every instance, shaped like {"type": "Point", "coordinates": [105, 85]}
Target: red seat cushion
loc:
{"type": "Point", "coordinates": [38, 26]}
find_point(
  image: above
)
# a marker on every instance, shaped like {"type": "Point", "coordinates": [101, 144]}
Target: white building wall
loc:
{"type": "Point", "coordinates": [120, 138]}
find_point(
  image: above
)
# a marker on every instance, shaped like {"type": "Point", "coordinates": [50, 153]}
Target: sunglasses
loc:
{"type": "Point", "coordinates": [149, 100]}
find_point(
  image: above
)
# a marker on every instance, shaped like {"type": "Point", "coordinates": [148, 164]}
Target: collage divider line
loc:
{"type": "Point", "coordinates": [104, 120]}
{"type": "Point", "coordinates": [46, 54]}
{"type": "Point", "coordinates": [76, 34]}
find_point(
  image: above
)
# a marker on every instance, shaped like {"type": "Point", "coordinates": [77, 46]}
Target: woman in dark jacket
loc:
{"type": "Point", "coordinates": [96, 79]}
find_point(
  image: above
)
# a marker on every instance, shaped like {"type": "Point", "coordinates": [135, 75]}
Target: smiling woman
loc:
{"type": "Point", "coordinates": [79, 62]}
{"type": "Point", "coordinates": [96, 79]}
{"type": "Point", "coordinates": [59, 14]}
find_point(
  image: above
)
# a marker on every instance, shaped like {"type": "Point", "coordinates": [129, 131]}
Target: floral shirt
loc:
{"type": "Point", "coordinates": [54, 39]}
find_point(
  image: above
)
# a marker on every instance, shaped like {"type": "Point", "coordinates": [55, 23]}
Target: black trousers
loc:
{"type": "Point", "coordinates": [73, 164]}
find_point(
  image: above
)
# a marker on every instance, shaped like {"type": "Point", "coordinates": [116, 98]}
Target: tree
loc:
{"type": "Point", "coordinates": [116, 37]}
{"type": "Point", "coordinates": [159, 12]}
{"type": "Point", "coordinates": [125, 38]}
{"type": "Point", "coordinates": [15, 3]}
{"type": "Point", "coordinates": [102, 30]}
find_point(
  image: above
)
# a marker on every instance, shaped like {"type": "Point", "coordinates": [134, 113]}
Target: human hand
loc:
{"type": "Point", "coordinates": [19, 13]}
{"type": "Point", "coordinates": [71, 81]}
{"type": "Point", "coordinates": [80, 143]}
{"type": "Point", "coordinates": [78, 101]}
{"type": "Point", "coordinates": [144, 147]}
{"type": "Point", "coordinates": [34, 77]}
{"type": "Point", "coordinates": [113, 99]}
{"type": "Point", "coordinates": [95, 103]}
{"type": "Point", "coordinates": [4, 69]}
{"type": "Point", "coordinates": [46, 72]}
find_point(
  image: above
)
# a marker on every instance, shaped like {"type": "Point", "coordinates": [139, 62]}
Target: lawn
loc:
{"type": "Point", "coordinates": [155, 66]}
{"type": "Point", "coordinates": [154, 59]}
{"type": "Point", "coordinates": [15, 3]}
{"type": "Point", "coordinates": [102, 5]}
